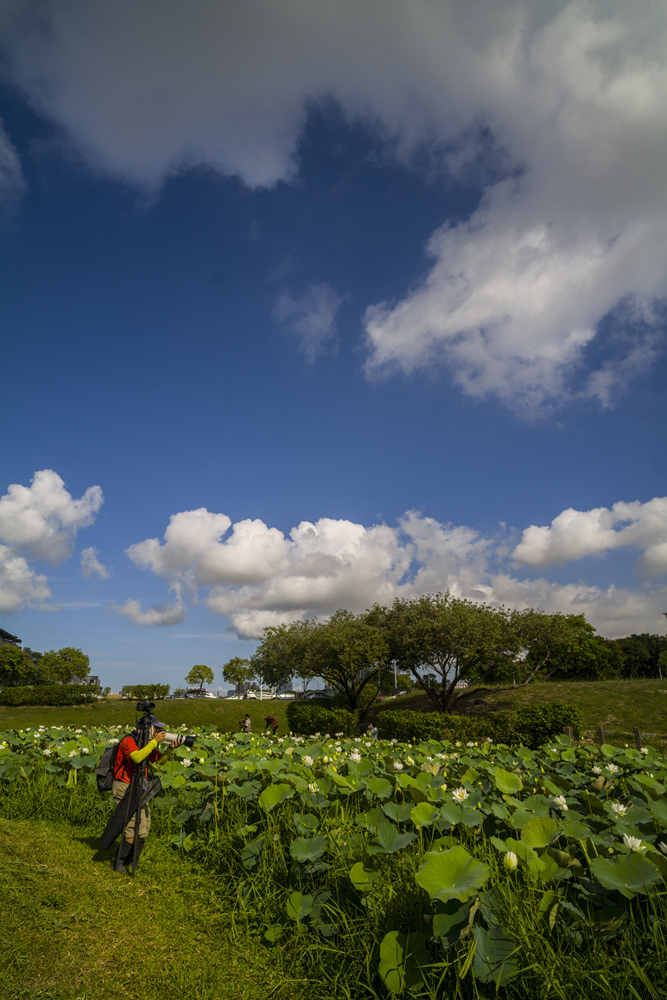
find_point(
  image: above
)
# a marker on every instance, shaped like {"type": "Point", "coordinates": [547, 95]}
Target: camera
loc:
{"type": "Point", "coordinates": [185, 741]}
{"type": "Point", "coordinates": [148, 719]}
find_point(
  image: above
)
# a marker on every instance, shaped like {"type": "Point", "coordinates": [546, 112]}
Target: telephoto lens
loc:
{"type": "Point", "coordinates": [187, 741]}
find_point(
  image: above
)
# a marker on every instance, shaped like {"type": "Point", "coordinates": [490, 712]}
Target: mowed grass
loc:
{"type": "Point", "coordinates": [223, 715]}
{"type": "Point", "coordinates": [75, 930]}
{"type": "Point", "coordinates": [618, 706]}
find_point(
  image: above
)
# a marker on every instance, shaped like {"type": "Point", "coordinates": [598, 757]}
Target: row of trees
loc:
{"type": "Point", "coordinates": [438, 641]}
{"type": "Point", "coordinates": [21, 667]}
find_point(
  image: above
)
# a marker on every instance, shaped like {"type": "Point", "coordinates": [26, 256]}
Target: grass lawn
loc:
{"type": "Point", "coordinates": [222, 714]}
{"type": "Point", "coordinates": [618, 706]}
{"type": "Point", "coordinates": [75, 930]}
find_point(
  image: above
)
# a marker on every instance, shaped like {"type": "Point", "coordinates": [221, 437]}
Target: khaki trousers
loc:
{"type": "Point", "coordinates": [118, 790]}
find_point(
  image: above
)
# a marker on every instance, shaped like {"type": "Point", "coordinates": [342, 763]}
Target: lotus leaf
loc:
{"type": "Point", "coordinates": [628, 873]}
{"type": "Point", "coordinates": [452, 874]}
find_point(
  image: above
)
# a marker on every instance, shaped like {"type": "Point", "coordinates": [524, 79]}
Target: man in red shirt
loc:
{"type": "Point", "coordinates": [128, 758]}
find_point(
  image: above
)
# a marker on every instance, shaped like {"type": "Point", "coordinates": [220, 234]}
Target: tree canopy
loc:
{"type": "Point", "coordinates": [200, 674]}
{"type": "Point", "coordinates": [62, 666]}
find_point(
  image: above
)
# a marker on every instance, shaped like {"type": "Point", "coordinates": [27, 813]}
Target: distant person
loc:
{"type": "Point", "coordinates": [271, 723]}
{"type": "Point", "coordinates": [246, 724]}
{"type": "Point", "coordinates": [372, 731]}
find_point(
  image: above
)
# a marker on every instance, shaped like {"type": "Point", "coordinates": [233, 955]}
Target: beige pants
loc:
{"type": "Point", "coordinates": [118, 790]}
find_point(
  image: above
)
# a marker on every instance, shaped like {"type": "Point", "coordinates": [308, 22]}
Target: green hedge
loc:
{"type": "Point", "coordinates": [305, 718]}
{"type": "Point", "coordinates": [145, 692]}
{"type": "Point", "coordinates": [531, 726]}
{"type": "Point", "coordinates": [50, 694]}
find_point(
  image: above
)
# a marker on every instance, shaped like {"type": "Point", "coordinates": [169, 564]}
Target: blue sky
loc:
{"type": "Point", "coordinates": [312, 306]}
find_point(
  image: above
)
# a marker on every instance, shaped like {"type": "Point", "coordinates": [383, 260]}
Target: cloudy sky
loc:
{"type": "Point", "coordinates": [313, 304]}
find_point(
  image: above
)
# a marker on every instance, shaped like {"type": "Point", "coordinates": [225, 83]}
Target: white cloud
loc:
{"type": "Point", "coordinates": [19, 584]}
{"type": "Point", "coordinates": [574, 534]}
{"type": "Point", "coordinates": [157, 614]}
{"type": "Point", "coordinates": [91, 566]}
{"type": "Point", "coordinates": [42, 520]}
{"type": "Point", "coordinates": [39, 521]}
{"type": "Point", "coordinates": [257, 576]}
{"type": "Point", "coordinates": [311, 317]}
{"type": "Point", "coordinates": [570, 92]}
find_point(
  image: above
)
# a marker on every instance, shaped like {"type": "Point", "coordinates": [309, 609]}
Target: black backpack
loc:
{"type": "Point", "coordinates": [105, 770]}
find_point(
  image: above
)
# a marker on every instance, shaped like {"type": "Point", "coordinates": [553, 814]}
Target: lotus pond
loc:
{"type": "Point", "coordinates": [384, 869]}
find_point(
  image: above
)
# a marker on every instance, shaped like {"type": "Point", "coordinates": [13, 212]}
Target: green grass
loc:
{"type": "Point", "coordinates": [618, 706]}
{"type": "Point", "coordinates": [221, 714]}
{"type": "Point", "coordinates": [75, 930]}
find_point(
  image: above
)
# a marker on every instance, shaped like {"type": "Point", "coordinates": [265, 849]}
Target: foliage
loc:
{"type": "Point", "coordinates": [50, 694]}
{"type": "Point", "coordinates": [63, 666]}
{"type": "Point", "coordinates": [239, 671]}
{"type": "Point", "coordinates": [16, 666]}
{"type": "Point", "coordinates": [433, 870]}
{"type": "Point", "coordinates": [307, 717]}
{"type": "Point", "coordinates": [641, 655]}
{"type": "Point", "coordinates": [349, 652]}
{"type": "Point", "coordinates": [530, 726]}
{"type": "Point", "coordinates": [200, 674]}
{"type": "Point", "coordinates": [145, 692]}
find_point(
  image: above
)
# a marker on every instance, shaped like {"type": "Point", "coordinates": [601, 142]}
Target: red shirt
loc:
{"type": "Point", "coordinates": [123, 768]}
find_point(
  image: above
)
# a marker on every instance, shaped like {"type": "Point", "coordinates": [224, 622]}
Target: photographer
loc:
{"type": "Point", "coordinates": [128, 757]}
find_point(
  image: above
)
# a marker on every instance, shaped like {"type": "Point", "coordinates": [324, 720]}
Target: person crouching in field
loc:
{"type": "Point", "coordinates": [128, 757]}
{"type": "Point", "coordinates": [246, 724]}
{"type": "Point", "coordinates": [271, 723]}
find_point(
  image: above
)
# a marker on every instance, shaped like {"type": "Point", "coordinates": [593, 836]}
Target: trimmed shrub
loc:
{"type": "Point", "coordinates": [143, 692]}
{"type": "Point", "coordinates": [531, 726]}
{"type": "Point", "coordinates": [538, 724]}
{"type": "Point", "coordinates": [50, 694]}
{"type": "Point", "coordinates": [305, 718]}
{"type": "Point", "coordinates": [408, 726]}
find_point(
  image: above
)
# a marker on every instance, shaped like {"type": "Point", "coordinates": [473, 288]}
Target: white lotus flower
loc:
{"type": "Point", "coordinates": [618, 808]}
{"type": "Point", "coordinates": [397, 765]}
{"type": "Point", "coordinates": [634, 843]}
{"type": "Point", "coordinates": [186, 762]}
{"type": "Point", "coordinates": [613, 768]}
{"type": "Point", "coordinates": [663, 846]}
{"type": "Point", "coordinates": [510, 861]}
{"type": "Point", "coordinates": [355, 756]}
{"type": "Point", "coordinates": [459, 795]}
{"type": "Point", "coordinates": [308, 761]}
{"type": "Point", "coordinates": [559, 800]}
{"type": "Point", "coordinates": [597, 770]}
{"type": "Point", "coordinates": [312, 787]}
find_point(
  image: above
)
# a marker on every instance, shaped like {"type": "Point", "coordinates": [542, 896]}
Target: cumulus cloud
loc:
{"type": "Point", "coordinates": [311, 317]}
{"type": "Point", "coordinates": [574, 534]}
{"type": "Point", "coordinates": [555, 106]}
{"type": "Point", "coordinates": [19, 584]}
{"type": "Point", "coordinates": [157, 614]}
{"type": "Point", "coordinates": [91, 566]}
{"type": "Point", "coordinates": [255, 576]}
{"type": "Point", "coordinates": [40, 521]}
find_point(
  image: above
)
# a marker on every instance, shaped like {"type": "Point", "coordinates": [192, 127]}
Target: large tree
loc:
{"type": "Point", "coordinates": [63, 666]}
{"type": "Point", "coordinates": [200, 674]}
{"type": "Point", "coordinates": [239, 672]}
{"type": "Point", "coordinates": [451, 638]}
{"type": "Point", "coordinates": [349, 652]}
{"type": "Point", "coordinates": [16, 666]}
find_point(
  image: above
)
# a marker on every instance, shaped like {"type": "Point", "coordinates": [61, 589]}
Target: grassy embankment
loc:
{"type": "Point", "coordinates": [617, 706]}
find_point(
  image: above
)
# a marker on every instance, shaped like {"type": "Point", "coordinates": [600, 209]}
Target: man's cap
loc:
{"type": "Point", "coordinates": [155, 722]}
